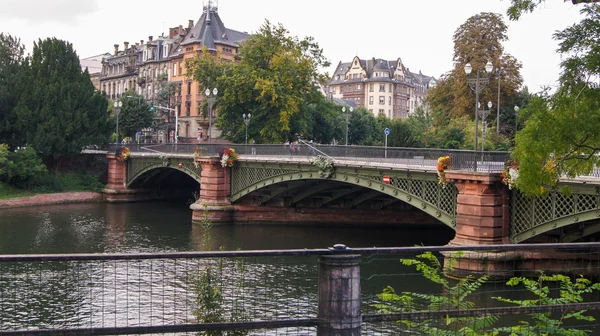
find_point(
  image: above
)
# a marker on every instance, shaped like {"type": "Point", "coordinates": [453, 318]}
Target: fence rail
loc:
{"type": "Point", "coordinates": [412, 157]}
{"type": "Point", "coordinates": [259, 292]}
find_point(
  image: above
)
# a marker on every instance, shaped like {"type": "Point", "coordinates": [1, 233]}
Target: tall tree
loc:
{"type": "Point", "coordinates": [562, 133]}
{"type": "Point", "coordinates": [135, 115]}
{"type": "Point", "coordinates": [59, 113]}
{"type": "Point", "coordinates": [276, 75]}
{"type": "Point", "coordinates": [519, 7]}
{"type": "Point", "coordinates": [11, 58]}
{"type": "Point", "coordinates": [477, 41]}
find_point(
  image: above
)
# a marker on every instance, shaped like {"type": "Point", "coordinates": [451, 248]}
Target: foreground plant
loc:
{"type": "Point", "coordinates": [454, 297]}
{"type": "Point", "coordinates": [545, 323]}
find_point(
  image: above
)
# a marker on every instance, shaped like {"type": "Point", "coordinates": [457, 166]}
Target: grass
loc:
{"type": "Point", "coordinates": [53, 183]}
{"type": "Point", "coordinates": [8, 192]}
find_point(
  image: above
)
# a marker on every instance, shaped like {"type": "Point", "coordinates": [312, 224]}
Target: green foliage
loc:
{"type": "Point", "coordinates": [520, 7]}
{"type": "Point", "coordinates": [23, 167]}
{"type": "Point", "coordinates": [545, 323]}
{"type": "Point", "coordinates": [59, 112]}
{"type": "Point", "coordinates": [455, 296]}
{"type": "Point", "coordinates": [363, 129]}
{"type": "Point", "coordinates": [3, 158]}
{"type": "Point", "coordinates": [273, 80]}
{"type": "Point", "coordinates": [562, 132]}
{"type": "Point", "coordinates": [325, 166]}
{"type": "Point", "coordinates": [11, 57]}
{"type": "Point", "coordinates": [135, 115]}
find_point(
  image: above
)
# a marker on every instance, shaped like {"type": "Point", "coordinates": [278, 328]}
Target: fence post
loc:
{"type": "Point", "coordinates": [339, 294]}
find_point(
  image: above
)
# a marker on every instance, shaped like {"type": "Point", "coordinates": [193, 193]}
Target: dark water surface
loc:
{"type": "Point", "coordinates": [101, 294]}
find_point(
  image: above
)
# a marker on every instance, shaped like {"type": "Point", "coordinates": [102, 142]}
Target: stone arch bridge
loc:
{"type": "Point", "coordinates": [367, 185]}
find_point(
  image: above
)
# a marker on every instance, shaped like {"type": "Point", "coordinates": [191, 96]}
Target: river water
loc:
{"type": "Point", "coordinates": [101, 294]}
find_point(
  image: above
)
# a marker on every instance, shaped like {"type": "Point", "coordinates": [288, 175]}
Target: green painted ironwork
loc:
{"type": "Point", "coordinates": [139, 165]}
{"type": "Point", "coordinates": [533, 216]}
{"type": "Point", "coordinates": [420, 190]}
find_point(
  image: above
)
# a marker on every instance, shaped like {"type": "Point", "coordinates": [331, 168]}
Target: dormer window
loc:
{"type": "Point", "coordinates": [165, 50]}
{"type": "Point", "coordinates": [145, 57]}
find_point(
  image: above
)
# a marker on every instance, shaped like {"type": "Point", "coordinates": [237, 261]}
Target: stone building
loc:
{"type": "Point", "coordinates": [93, 65]}
{"type": "Point", "coordinates": [146, 66]}
{"type": "Point", "coordinates": [209, 32]}
{"type": "Point", "coordinates": [383, 87]}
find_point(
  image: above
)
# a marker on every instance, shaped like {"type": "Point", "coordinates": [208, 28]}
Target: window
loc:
{"type": "Point", "coordinates": [381, 100]}
{"type": "Point", "coordinates": [381, 87]}
{"type": "Point", "coordinates": [357, 87]}
{"type": "Point", "coordinates": [390, 101]}
{"type": "Point", "coordinates": [371, 111]}
{"type": "Point", "coordinates": [370, 100]}
{"type": "Point", "coordinates": [341, 89]}
{"type": "Point", "coordinates": [391, 88]}
{"type": "Point", "coordinates": [371, 87]}
{"type": "Point", "coordinates": [381, 111]}
{"type": "Point", "coordinates": [189, 88]}
{"type": "Point", "coordinates": [333, 89]}
{"type": "Point", "coordinates": [165, 50]}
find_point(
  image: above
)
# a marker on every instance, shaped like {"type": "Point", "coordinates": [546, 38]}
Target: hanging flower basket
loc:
{"type": "Point", "coordinates": [443, 165]}
{"type": "Point", "coordinates": [228, 157]}
{"type": "Point", "coordinates": [510, 173]}
{"type": "Point", "coordinates": [325, 166]}
{"type": "Point", "coordinates": [122, 154]}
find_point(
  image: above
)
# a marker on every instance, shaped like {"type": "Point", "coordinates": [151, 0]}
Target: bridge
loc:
{"type": "Point", "coordinates": [269, 183]}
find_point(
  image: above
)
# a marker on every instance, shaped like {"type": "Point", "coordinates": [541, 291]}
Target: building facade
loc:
{"type": "Point", "coordinates": [148, 66]}
{"type": "Point", "coordinates": [383, 87]}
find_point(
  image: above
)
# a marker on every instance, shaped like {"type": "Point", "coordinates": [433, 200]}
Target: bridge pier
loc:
{"type": "Point", "coordinates": [482, 218]}
{"type": "Point", "coordinates": [116, 191]}
{"type": "Point", "coordinates": [213, 204]}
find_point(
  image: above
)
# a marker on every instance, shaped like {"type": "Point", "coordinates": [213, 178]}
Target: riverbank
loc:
{"type": "Point", "coordinates": [49, 199]}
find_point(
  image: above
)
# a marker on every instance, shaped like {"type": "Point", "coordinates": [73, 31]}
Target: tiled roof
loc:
{"type": "Point", "coordinates": [210, 30]}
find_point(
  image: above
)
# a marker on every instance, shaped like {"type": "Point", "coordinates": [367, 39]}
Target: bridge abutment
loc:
{"type": "Point", "coordinates": [213, 205]}
{"type": "Point", "coordinates": [482, 218]}
{"type": "Point", "coordinates": [116, 191]}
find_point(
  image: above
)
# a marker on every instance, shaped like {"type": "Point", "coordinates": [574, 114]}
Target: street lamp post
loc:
{"type": "Point", "coordinates": [211, 102]}
{"type": "Point", "coordinates": [347, 115]}
{"type": "Point", "coordinates": [118, 106]}
{"type": "Point", "coordinates": [247, 122]}
{"type": "Point", "coordinates": [516, 119]}
{"type": "Point", "coordinates": [498, 113]}
{"type": "Point", "coordinates": [483, 114]}
{"type": "Point", "coordinates": [477, 84]}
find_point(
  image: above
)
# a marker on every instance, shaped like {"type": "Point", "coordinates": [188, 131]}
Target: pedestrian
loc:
{"type": "Point", "coordinates": [253, 147]}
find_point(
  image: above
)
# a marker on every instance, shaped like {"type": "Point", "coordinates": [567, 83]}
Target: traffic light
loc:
{"type": "Point", "coordinates": [152, 109]}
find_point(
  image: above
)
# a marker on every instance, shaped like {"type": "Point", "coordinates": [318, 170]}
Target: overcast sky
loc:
{"type": "Point", "coordinates": [418, 31]}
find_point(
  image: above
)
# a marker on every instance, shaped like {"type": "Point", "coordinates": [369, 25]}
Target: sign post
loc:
{"type": "Point", "coordinates": [387, 132]}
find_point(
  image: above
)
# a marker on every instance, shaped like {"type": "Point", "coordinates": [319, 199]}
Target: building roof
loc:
{"type": "Point", "coordinates": [93, 63]}
{"type": "Point", "coordinates": [210, 31]}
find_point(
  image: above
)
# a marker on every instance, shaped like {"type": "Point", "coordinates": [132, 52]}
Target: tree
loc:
{"type": "Point", "coordinates": [562, 133]}
{"type": "Point", "coordinates": [476, 42]}
{"type": "Point", "coordinates": [58, 112]}
{"type": "Point", "coordinates": [11, 57]}
{"type": "Point", "coordinates": [275, 77]}
{"type": "Point", "coordinates": [163, 120]}
{"type": "Point", "coordinates": [135, 114]}
{"type": "Point", "coordinates": [519, 7]}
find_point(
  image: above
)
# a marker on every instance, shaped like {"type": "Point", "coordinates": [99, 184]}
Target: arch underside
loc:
{"type": "Point", "coordinates": [354, 186]}
{"type": "Point", "coordinates": [148, 168]}
{"type": "Point", "coordinates": [568, 217]}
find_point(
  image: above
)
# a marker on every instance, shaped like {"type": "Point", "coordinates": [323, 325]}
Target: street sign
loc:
{"type": "Point", "coordinates": [386, 179]}
{"type": "Point", "coordinates": [387, 131]}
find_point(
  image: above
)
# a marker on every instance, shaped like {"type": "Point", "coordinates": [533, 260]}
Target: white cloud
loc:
{"type": "Point", "coordinates": [45, 11]}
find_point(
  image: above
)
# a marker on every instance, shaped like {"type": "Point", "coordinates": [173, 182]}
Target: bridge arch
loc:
{"type": "Point", "coordinates": [420, 190]}
{"type": "Point", "coordinates": [534, 216]}
{"type": "Point", "coordinates": [150, 167]}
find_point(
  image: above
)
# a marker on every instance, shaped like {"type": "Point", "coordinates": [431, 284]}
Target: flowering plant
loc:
{"type": "Point", "coordinates": [199, 151]}
{"type": "Point", "coordinates": [324, 164]}
{"type": "Point", "coordinates": [510, 173]}
{"type": "Point", "coordinates": [122, 154]}
{"type": "Point", "coordinates": [228, 157]}
{"type": "Point", "coordinates": [442, 165]}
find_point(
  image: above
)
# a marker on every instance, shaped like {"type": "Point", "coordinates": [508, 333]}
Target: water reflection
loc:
{"type": "Point", "coordinates": [96, 294]}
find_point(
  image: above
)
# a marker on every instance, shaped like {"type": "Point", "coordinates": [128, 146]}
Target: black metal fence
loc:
{"type": "Point", "coordinates": [410, 157]}
{"type": "Point", "coordinates": [294, 292]}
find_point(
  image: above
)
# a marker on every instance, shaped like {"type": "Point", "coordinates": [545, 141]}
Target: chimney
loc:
{"type": "Point", "coordinates": [126, 44]}
{"type": "Point", "coordinates": [190, 24]}
{"type": "Point", "coordinates": [172, 32]}
{"type": "Point", "coordinates": [116, 49]}
{"type": "Point", "coordinates": [150, 38]}
{"type": "Point", "coordinates": [181, 30]}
